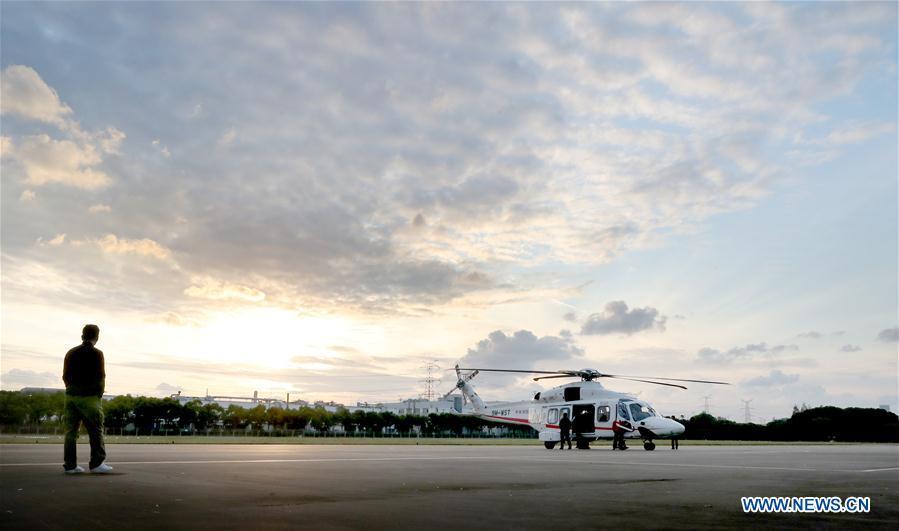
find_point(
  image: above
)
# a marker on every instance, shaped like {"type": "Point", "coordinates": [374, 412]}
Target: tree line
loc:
{"type": "Point", "coordinates": [146, 415]}
{"type": "Point", "coordinates": [826, 423]}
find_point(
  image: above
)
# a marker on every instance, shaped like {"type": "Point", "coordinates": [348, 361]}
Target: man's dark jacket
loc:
{"type": "Point", "coordinates": [84, 371]}
{"type": "Point", "coordinates": [564, 425]}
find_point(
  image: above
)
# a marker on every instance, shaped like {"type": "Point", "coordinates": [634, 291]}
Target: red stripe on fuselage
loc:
{"type": "Point", "coordinates": [556, 426]}
{"type": "Point", "coordinates": [510, 419]}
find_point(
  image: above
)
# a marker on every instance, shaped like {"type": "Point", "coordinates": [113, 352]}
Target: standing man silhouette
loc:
{"type": "Point", "coordinates": [565, 431]}
{"type": "Point", "coordinates": [84, 373]}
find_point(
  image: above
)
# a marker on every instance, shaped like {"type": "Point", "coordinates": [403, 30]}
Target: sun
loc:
{"type": "Point", "coordinates": [271, 337]}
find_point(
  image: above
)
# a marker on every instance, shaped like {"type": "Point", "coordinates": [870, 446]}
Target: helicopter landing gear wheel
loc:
{"type": "Point", "coordinates": [549, 445]}
{"type": "Point", "coordinates": [649, 446]}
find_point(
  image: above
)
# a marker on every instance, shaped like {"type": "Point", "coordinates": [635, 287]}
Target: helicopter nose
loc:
{"type": "Point", "coordinates": [676, 427]}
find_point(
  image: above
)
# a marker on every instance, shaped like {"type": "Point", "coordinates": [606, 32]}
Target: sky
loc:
{"type": "Point", "coordinates": [323, 198]}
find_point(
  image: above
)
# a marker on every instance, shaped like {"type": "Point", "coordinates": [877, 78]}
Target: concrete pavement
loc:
{"type": "Point", "coordinates": [442, 487]}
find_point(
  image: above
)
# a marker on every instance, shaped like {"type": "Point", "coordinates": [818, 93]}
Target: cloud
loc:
{"type": "Point", "coordinates": [73, 160]}
{"type": "Point", "coordinates": [520, 350]}
{"type": "Point", "coordinates": [27, 195]}
{"type": "Point", "coordinates": [98, 208]}
{"type": "Point", "coordinates": [112, 244]}
{"type": "Point", "coordinates": [568, 137]}
{"type": "Point", "coordinates": [326, 364]}
{"type": "Point", "coordinates": [810, 335]}
{"type": "Point", "coordinates": [889, 335]}
{"type": "Point", "coordinates": [56, 241]}
{"type": "Point", "coordinates": [850, 348]}
{"type": "Point", "coordinates": [617, 319]}
{"type": "Point", "coordinates": [174, 319]}
{"type": "Point", "coordinates": [29, 378]}
{"type": "Point", "coordinates": [26, 95]}
{"type": "Point", "coordinates": [228, 137]}
{"type": "Point", "coordinates": [163, 150]}
{"type": "Point", "coordinates": [46, 160]}
{"type": "Point", "coordinates": [571, 317]}
{"type": "Point", "coordinates": [747, 352]}
{"type": "Point", "coordinates": [773, 379]}
{"type": "Point", "coordinates": [197, 110]}
{"type": "Point", "coordinates": [857, 133]}
{"type": "Point", "coordinates": [213, 289]}
{"type": "Point", "coordinates": [109, 140]}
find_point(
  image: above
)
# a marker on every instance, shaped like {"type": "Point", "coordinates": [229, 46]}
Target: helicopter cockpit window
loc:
{"type": "Point", "coordinates": [641, 411]}
{"type": "Point", "coordinates": [602, 414]}
{"type": "Point", "coordinates": [622, 412]}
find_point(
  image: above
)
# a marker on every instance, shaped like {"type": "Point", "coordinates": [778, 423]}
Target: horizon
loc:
{"type": "Point", "coordinates": [321, 199]}
{"type": "Point", "coordinates": [286, 403]}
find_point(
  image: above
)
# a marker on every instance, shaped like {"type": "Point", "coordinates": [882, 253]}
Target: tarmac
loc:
{"type": "Point", "coordinates": [441, 487]}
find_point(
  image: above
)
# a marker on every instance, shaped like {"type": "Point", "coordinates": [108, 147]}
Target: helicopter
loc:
{"type": "Point", "coordinates": [610, 411]}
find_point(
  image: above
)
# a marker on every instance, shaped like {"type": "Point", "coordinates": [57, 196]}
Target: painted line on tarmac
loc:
{"type": "Point", "coordinates": [688, 465]}
{"type": "Point", "coordinates": [310, 460]}
{"type": "Point", "coordinates": [442, 458]}
{"type": "Point", "coordinates": [880, 469]}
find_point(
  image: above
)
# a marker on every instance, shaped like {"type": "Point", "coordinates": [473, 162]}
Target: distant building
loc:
{"type": "Point", "coordinates": [241, 401]}
{"type": "Point", "coordinates": [53, 391]}
{"type": "Point", "coordinates": [413, 406]}
{"type": "Point", "coordinates": [885, 407]}
{"type": "Point", "coordinates": [41, 391]}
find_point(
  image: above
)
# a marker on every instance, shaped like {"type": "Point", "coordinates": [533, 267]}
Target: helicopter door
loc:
{"type": "Point", "coordinates": [603, 420]}
{"type": "Point", "coordinates": [622, 415]}
{"type": "Point", "coordinates": [552, 417]}
{"type": "Point", "coordinates": [587, 411]}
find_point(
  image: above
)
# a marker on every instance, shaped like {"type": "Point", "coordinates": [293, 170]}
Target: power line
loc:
{"type": "Point", "coordinates": [707, 404]}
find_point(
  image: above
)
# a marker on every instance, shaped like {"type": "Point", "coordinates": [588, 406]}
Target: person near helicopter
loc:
{"type": "Point", "coordinates": [620, 427]}
{"type": "Point", "coordinates": [675, 444]}
{"type": "Point", "coordinates": [564, 431]}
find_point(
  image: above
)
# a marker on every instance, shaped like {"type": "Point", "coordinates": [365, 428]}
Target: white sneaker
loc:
{"type": "Point", "coordinates": [76, 470]}
{"type": "Point", "coordinates": [102, 468]}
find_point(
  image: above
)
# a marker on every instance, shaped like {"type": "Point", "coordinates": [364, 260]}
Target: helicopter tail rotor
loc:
{"type": "Point", "coordinates": [467, 391]}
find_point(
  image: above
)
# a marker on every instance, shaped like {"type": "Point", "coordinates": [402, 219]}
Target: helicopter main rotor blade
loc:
{"type": "Point", "coordinates": [589, 375]}
{"type": "Point", "coordinates": [644, 381]}
{"type": "Point", "coordinates": [571, 373]}
{"type": "Point", "coordinates": [666, 379]}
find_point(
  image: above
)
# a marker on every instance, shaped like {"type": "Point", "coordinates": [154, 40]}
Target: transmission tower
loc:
{"type": "Point", "coordinates": [747, 411]}
{"type": "Point", "coordinates": [706, 404]}
{"type": "Point", "coordinates": [431, 381]}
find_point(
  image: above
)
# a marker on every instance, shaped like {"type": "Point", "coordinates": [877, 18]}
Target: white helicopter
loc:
{"type": "Point", "coordinates": [609, 411]}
